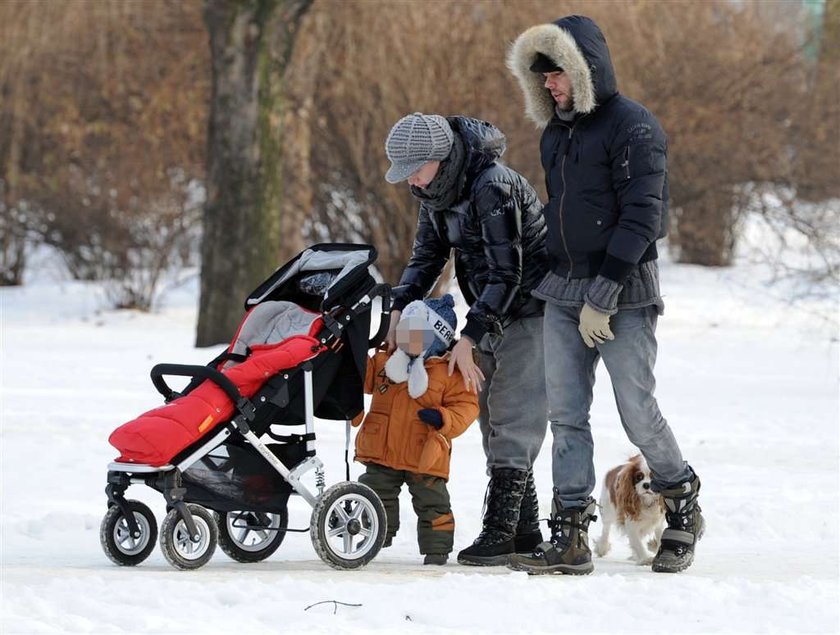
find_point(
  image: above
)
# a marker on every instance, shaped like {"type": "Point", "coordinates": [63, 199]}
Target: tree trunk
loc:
{"type": "Point", "coordinates": [704, 231]}
{"type": "Point", "coordinates": [250, 43]}
{"type": "Point", "coordinates": [13, 223]}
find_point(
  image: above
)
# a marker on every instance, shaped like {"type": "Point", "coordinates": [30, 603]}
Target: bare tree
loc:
{"type": "Point", "coordinates": [101, 156]}
{"type": "Point", "coordinates": [710, 72]}
{"type": "Point", "coordinates": [250, 42]}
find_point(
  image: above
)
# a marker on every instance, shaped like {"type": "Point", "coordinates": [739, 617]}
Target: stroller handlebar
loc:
{"type": "Point", "coordinates": [184, 370]}
{"type": "Point", "coordinates": [382, 291]}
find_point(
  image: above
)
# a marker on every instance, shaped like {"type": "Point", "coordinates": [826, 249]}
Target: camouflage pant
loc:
{"type": "Point", "coordinates": [430, 498]}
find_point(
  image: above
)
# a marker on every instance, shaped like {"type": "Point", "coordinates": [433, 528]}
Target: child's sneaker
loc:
{"type": "Point", "coordinates": [436, 558]}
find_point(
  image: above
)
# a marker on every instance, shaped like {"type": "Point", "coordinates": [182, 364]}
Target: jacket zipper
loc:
{"type": "Point", "coordinates": [562, 198]}
{"type": "Point", "coordinates": [626, 164]}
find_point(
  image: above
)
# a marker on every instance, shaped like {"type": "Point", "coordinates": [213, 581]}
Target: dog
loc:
{"type": "Point", "coordinates": [628, 501]}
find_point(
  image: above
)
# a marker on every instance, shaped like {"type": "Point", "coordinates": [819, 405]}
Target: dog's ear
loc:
{"type": "Point", "coordinates": [627, 500]}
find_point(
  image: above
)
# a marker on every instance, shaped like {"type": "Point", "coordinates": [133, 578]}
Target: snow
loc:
{"type": "Point", "coordinates": [748, 380]}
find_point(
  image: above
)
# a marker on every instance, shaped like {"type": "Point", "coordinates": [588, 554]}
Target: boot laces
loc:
{"type": "Point", "coordinates": [555, 523]}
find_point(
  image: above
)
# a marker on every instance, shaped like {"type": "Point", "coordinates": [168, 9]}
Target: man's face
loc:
{"type": "Point", "coordinates": [560, 87]}
{"type": "Point", "coordinates": [424, 175]}
{"type": "Point", "coordinates": [414, 336]}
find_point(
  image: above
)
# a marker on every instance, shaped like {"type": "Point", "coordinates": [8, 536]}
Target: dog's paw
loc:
{"type": "Point", "coordinates": [644, 562]}
{"type": "Point", "coordinates": [602, 547]}
{"type": "Point", "coordinates": [653, 545]}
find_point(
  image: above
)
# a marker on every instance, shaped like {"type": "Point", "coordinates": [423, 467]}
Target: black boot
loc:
{"type": "Point", "coordinates": [568, 551]}
{"type": "Point", "coordinates": [528, 534]}
{"type": "Point", "coordinates": [495, 543]}
{"type": "Point", "coordinates": [685, 527]}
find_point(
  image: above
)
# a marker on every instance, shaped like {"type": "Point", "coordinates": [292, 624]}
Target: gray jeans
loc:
{"type": "Point", "coordinates": [570, 376]}
{"type": "Point", "coordinates": [513, 414]}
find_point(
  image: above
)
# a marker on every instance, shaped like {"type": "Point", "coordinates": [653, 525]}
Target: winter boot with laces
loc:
{"type": "Point", "coordinates": [528, 534]}
{"type": "Point", "coordinates": [568, 550]}
{"type": "Point", "coordinates": [495, 543]}
{"type": "Point", "coordinates": [685, 527]}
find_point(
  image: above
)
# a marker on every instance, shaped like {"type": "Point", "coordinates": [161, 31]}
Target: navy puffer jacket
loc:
{"type": "Point", "coordinates": [605, 171]}
{"type": "Point", "coordinates": [497, 230]}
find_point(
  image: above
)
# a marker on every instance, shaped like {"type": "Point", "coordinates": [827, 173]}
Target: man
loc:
{"type": "Point", "coordinates": [491, 217]}
{"type": "Point", "coordinates": [604, 157]}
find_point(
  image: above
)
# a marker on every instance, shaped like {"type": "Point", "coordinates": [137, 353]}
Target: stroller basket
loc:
{"type": "Point", "coordinates": [235, 477]}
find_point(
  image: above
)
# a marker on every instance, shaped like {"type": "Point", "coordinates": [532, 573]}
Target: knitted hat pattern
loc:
{"type": "Point", "coordinates": [415, 140]}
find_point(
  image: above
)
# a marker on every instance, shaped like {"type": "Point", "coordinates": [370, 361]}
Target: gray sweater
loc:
{"type": "Point", "coordinates": [641, 288]}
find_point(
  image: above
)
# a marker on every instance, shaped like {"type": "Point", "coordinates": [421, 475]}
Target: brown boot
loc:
{"type": "Point", "coordinates": [568, 550]}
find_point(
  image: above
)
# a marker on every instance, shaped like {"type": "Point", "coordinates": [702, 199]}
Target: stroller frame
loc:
{"type": "Point", "coordinates": [349, 511]}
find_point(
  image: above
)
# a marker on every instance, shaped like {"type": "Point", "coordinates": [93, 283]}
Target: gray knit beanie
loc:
{"type": "Point", "coordinates": [414, 140]}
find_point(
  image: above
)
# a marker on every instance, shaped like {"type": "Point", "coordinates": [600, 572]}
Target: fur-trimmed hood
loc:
{"type": "Point", "coordinates": [574, 43]}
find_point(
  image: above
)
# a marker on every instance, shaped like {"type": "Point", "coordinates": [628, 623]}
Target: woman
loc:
{"type": "Point", "coordinates": [492, 218]}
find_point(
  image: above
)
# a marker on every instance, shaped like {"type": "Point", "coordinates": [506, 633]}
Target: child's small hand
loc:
{"type": "Point", "coordinates": [432, 417]}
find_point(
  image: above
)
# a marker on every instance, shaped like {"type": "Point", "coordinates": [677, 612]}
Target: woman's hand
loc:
{"type": "Point", "coordinates": [462, 357]}
{"type": "Point", "coordinates": [391, 338]}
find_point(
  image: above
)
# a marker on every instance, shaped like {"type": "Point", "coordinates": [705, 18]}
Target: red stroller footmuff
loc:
{"type": "Point", "coordinates": [158, 435]}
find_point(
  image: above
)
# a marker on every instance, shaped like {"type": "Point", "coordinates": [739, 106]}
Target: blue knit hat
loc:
{"type": "Point", "coordinates": [435, 317]}
{"type": "Point", "coordinates": [443, 307]}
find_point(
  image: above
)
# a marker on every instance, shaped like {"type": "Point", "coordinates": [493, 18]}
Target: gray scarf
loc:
{"type": "Point", "coordinates": [565, 115]}
{"type": "Point", "coordinates": [448, 183]}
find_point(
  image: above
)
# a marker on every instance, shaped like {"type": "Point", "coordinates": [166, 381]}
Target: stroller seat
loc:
{"type": "Point", "coordinates": [273, 336]}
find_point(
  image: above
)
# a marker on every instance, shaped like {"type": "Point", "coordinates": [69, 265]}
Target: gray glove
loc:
{"type": "Point", "coordinates": [594, 326]}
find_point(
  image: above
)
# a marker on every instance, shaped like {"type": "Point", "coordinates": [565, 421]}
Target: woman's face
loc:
{"type": "Point", "coordinates": [424, 175]}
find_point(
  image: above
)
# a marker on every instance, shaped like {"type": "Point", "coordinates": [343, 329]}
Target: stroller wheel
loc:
{"type": "Point", "coordinates": [251, 536]}
{"type": "Point", "coordinates": [118, 543]}
{"type": "Point", "coordinates": [348, 525]}
{"type": "Point", "coordinates": [177, 545]}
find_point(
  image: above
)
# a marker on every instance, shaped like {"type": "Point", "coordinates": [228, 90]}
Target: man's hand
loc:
{"type": "Point", "coordinates": [594, 326]}
{"type": "Point", "coordinates": [391, 338]}
{"type": "Point", "coordinates": [462, 357]}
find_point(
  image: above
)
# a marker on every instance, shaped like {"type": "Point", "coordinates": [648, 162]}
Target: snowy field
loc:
{"type": "Point", "coordinates": [747, 378]}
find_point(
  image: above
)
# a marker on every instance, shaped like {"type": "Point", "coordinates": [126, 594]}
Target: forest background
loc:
{"type": "Point", "coordinates": [146, 139]}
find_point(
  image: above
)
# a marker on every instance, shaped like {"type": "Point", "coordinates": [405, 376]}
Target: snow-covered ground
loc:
{"type": "Point", "coordinates": [747, 379]}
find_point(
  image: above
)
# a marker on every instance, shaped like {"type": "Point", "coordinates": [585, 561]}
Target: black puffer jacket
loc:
{"type": "Point", "coordinates": [605, 170]}
{"type": "Point", "coordinates": [498, 232]}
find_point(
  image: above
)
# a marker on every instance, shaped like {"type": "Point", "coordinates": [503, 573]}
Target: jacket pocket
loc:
{"type": "Point", "coordinates": [373, 437]}
{"type": "Point", "coordinates": [595, 225]}
{"type": "Point", "coordinates": [435, 454]}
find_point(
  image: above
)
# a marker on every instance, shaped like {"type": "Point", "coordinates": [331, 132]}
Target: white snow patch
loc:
{"type": "Point", "coordinates": [747, 379]}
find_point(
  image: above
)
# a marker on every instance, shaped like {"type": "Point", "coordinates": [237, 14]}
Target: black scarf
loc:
{"type": "Point", "coordinates": [448, 183]}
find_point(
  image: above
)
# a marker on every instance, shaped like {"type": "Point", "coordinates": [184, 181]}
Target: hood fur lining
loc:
{"type": "Point", "coordinates": [561, 48]}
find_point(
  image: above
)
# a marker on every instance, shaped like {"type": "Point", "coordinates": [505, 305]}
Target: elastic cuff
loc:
{"type": "Point", "coordinates": [398, 305]}
{"type": "Point", "coordinates": [616, 269]}
{"type": "Point", "coordinates": [602, 295]}
{"type": "Point", "coordinates": [474, 330]}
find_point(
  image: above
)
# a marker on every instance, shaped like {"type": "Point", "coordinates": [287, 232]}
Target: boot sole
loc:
{"type": "Point", "coordinates": [660, 568]}
{"type": "Point", "coordinates": [565, 569]}
{"type": "Point", "coordinates": [485, 561]}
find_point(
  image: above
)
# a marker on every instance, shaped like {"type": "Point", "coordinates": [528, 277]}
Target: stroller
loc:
{"type": "Point", "coordinates": [213, 449]}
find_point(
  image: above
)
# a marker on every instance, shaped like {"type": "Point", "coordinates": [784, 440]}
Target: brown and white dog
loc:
{"type": "Point", "coordinates": [628, 501]}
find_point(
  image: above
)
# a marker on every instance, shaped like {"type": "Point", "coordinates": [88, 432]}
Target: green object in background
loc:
{"type": "Point", "coordinates": [814, 13]}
